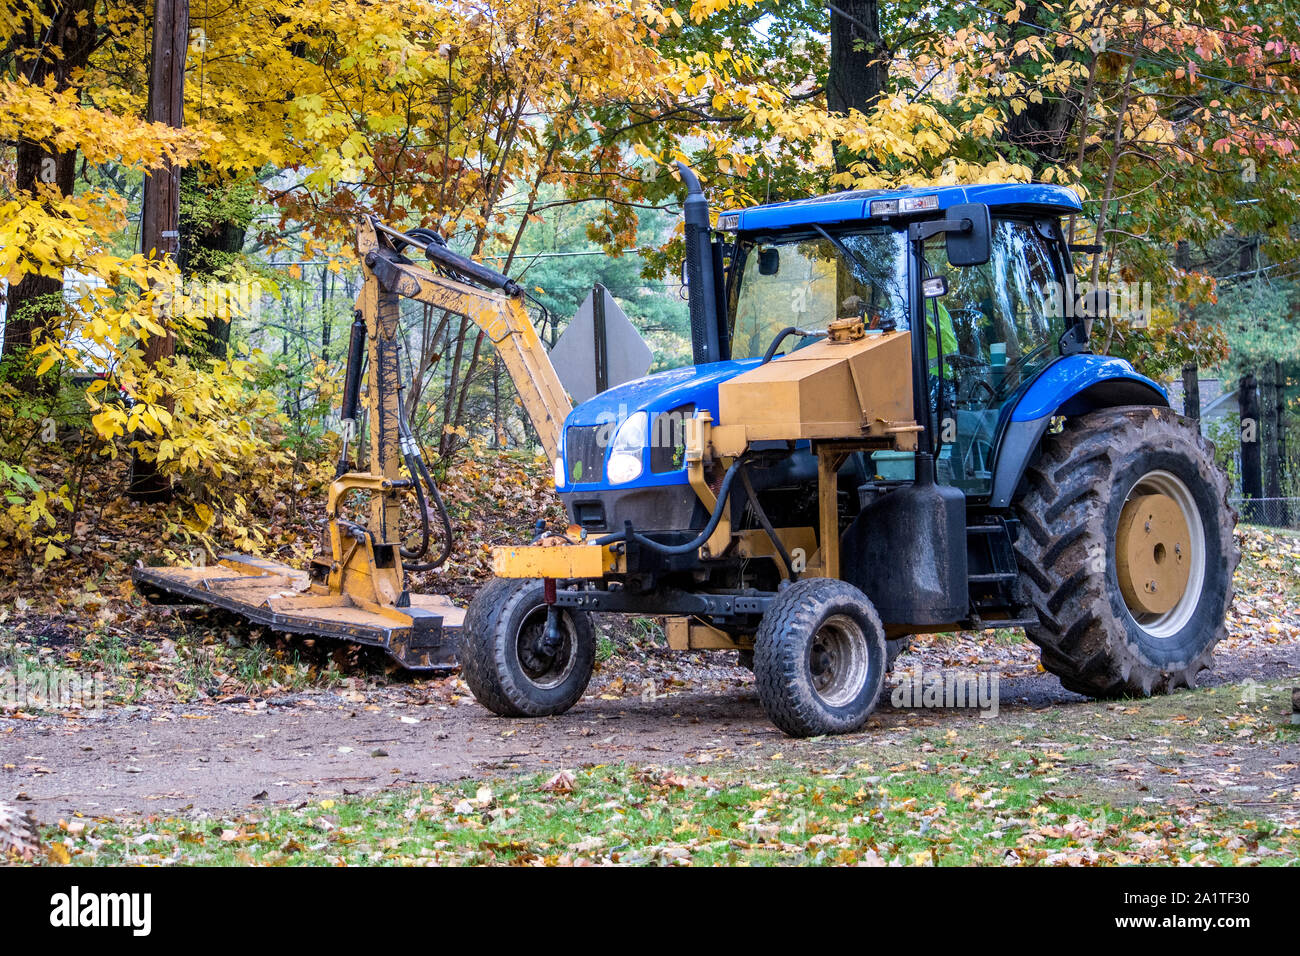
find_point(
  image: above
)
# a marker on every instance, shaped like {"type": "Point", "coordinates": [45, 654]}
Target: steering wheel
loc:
{"type": "Point", "coordinates": [970, 386]}
{"type": "Point", "coordinates": [966, 315]}
{"type": "Point", "coordinates": [959, 361]}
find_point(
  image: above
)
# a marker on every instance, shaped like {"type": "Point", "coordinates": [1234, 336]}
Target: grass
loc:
{"type": "Point", "coordinates": [17, 657]}
{"type": "Point", "coordinates": [1272, 554]}
{"type": "Point", "coordinates": [40, 684]}
{"type": "Point", "coordinates": [208, 665]}
{"type": "Point", "coordinates": [647, 631]}
{"type": "Point", "coordinates": [199, 670]}
{"type": "Point", "coordinates": [944, 812]}
{"type": "Point", "coordinates": [605, 648]}
{"type": "Point", "coordinates": [108, 652]}
{"type": "Point", "coordinates": [1022, 789]}
{"type": "Point", "coordinates": [1009, 637]}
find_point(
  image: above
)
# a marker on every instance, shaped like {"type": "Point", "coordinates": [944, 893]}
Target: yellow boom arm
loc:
{"type": "Point", "coordinates": [365, 563]}
{"type": "Point", "coordinates": [501, 317]}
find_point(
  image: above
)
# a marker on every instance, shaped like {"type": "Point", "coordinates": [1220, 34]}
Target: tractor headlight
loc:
{"type": "Point", "coordinates": [627, 450]}
{"type": "Point", "coordinates": [559, 473]}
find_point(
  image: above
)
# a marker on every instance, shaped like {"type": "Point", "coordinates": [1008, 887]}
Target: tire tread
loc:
{"type": "Point", "coordinates": [1061, 511]}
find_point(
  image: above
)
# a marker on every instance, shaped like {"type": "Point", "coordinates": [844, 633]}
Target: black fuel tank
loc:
{"type": "Point", "coordinates": [907, 552]}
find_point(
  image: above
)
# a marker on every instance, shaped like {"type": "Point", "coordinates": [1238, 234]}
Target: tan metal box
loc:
{"type": "Point", "coordinates": [830, 389]}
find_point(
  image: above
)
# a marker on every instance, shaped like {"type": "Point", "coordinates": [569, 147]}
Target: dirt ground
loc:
{"type": "Point", "coordinates": [206, 717]}
{"type": "Point", "coordinates": [662, 708]}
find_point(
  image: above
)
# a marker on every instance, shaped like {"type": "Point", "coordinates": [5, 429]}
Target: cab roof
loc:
{"type": "Point", "coordinates": [850, 206]}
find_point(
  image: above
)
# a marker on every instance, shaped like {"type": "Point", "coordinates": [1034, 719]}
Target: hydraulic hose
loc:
{"type": "Point", "coordinates": [414, 458]}
{"type": "Point", "coordinates": [422, 503]}
{"type": "Point", "coordinates": [761, 515]}
{"type": "Point", "coordinates": [435, 249]}
{"type": "Point", "coordinates": [445, 519]}
{"type": "Point", "coordinates": [781, 337]}
{"type": "Point", "coordinates": [724, 491]}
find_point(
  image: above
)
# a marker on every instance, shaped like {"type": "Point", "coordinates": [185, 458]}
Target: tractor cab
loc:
{"type": "Point", "coordinates": [990, 325]}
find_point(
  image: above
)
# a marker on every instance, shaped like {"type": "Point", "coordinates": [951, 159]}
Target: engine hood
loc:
{"type": "Point", "coordinates": [661, 392]}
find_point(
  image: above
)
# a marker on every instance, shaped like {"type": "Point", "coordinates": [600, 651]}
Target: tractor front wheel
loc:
{"type": "Point", "coordinates": [1127, 552]}
{"type": "Point", "coordinates": [513, 665]}
{"type": "Point", "coordinates": [819, 658]}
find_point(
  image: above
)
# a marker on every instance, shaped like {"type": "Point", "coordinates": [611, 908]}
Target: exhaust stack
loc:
{"type": "Point", "coordinates": [702, 273]}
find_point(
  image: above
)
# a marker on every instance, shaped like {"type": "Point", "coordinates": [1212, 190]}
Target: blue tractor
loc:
{"type": "Point", "coordinates": [893, 425]}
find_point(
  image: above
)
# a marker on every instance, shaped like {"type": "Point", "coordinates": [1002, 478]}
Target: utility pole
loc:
{"type": "Point", "coordinates": [160, 216]}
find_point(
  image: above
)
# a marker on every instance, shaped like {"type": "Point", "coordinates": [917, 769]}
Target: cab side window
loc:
{"type": "Point", "coordinates": [996, 328]}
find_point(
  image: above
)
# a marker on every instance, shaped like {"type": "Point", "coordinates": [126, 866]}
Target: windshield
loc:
{"type": "Point", "coordinates": [810, 282]}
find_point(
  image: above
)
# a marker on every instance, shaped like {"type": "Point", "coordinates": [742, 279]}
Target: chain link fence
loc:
{"type": "Point", "coordinates": [1271, 512]}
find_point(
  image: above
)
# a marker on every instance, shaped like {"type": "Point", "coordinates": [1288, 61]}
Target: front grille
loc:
{"type": "Point", "coordinates": [584, 453]}
{"type": "Point", "coordinates": [668, 439]}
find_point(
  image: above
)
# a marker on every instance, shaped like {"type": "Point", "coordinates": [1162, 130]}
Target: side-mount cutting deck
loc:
{"type": "Point", "coordinates": [420, 637]}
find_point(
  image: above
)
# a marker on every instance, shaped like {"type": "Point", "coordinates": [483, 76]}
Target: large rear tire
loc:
{"type": "Point", "coordinates": [1127, 552]}
{"type": "Point", "coordinates": [504, 657]}
{"type": "Point", "coordinates": [819, 658]}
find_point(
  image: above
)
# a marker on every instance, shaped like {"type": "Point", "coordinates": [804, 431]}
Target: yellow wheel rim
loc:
{"type": "Point", "coordinates": [1160, 553]}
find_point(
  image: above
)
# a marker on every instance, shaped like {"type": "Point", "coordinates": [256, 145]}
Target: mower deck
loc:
{"type": "Point", "coordinates": [420, 637]}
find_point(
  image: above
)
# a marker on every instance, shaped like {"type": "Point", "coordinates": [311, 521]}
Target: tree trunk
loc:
{"type": "Point", "coordinates": [1273, 454]}
{"type": "Point", "coordinates": [56, 51]}
{"type": "Point", "coordinates": [496, 399]}
{"type": "Point", "coordinates": [36, 300]}
{"type": "Point", "coordinates": [1270, 454]}
{"type": "Point", "coordinates": [1252, 483]}
{"type": "Point", "coordinates": [1191, 391]}
{"type": "Point", "coordinates": [160, 217]}
{"type": "Point", "coordinates": [1043, 129]}
{"type": "Point", "coordinates": [1285, 511]}
{"type": "Point", "coordinates": [1112, 166]}
{"type": "Point", "coordinates": [446, 439]}
{"type": "Point", "coordinates": [1246, 254]}
{"type": "Point", "coordinates": [859, 62]}
{"type": "Point", "coordinates": [212, 226]}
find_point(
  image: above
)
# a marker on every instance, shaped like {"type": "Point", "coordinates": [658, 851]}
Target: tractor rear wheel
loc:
{"type": "Point", "coordinates": [819, 658]}
{"type": "Point", "coordinates": [509, 663]}
{"type": "Point", "coordinates": [1127, 552]}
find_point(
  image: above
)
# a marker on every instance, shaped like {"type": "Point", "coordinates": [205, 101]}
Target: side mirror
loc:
{"type": "Point", "coordinates": [769, 262]}
{"type": "Point", "coordinates": [974, 246]}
